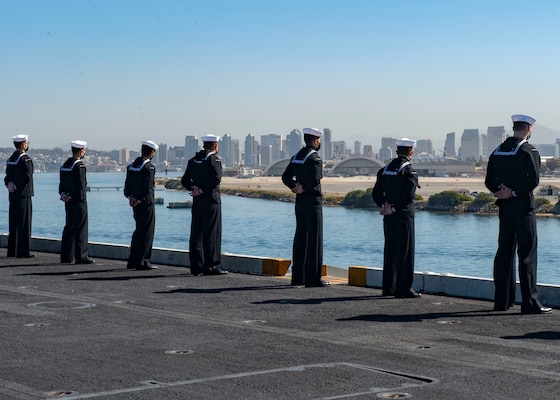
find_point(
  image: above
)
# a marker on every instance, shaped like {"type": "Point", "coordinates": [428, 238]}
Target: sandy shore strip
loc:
{"type": "Point", "coordinates": [341, 186]}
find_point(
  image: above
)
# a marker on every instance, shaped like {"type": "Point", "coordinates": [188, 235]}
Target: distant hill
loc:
{"type": "Point", "coordinates": [542, 135]}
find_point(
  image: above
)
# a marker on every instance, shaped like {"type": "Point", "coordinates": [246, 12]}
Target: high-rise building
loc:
{"type": "Point", "coordinates": [266, 154]}
{"type": "Point", "coordinates": [124, 155]}
{"type": "Point", "coordinates": [326, 151]}
{"type": "Point", "coordinates": [161, 153]}
{"type": "Point", "coordinates": [339, 150]}
{"type": "Point", "coordinates": [357, 148]}
{"type": "Point", "coordinates": [191, 147]}
{"type": "Point", "coordinates": [273, 154]}
{"type": "Point", "coordinates": [235, 153]}
{"type": "Point", "coordinates": [387, 142]}
{"type": "Point", "coordinates": [471, 146]}
{"type": "Point", "coordinates": [494, 137]}
{"type": "Point", "coordinates": [293, 142]}
{"type": "Point", "coordinates": [226, 153]}
{"type": "Point", "coordinates": [251, 153]}
{"type": "Point", "coordinates": [386, 153]}
{"type": "Point", "coordinates": [449, 150]}
{"type": "Point", "coordinates": [424, 146]}
{"type": "Point", "coordinates": [368, 151]}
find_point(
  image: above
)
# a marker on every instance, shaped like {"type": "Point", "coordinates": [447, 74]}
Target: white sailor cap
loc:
{"type": "Point", "coordinates": [405, 142]}
{"type": "Point", "coordinates": [312, 131]}
{"type": "Point", "coordinates": [20, 138]}
{"type": "Point", "coordinates": [78, 144]}
{"type": "Point", "coordinates": [210, 138]}
{"type": "Point", "coordinates": [523, 118]}
{"type": "Point", "coordinates": [150, 143]}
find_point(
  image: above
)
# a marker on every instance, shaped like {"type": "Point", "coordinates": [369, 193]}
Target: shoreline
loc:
{"type": "Point", "coordinates": [338, 186]}
{"type": "Point", "coordinates": [335, 189]}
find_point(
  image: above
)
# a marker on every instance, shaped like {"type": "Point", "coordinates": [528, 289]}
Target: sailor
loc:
{"type": "Point", "coordinates": [19, 181]}
{"type": "Point", "coordinates": [512, 175]}
{"type": "Point", "coordinates": [202, 178]}
{"type": "Point", "coordinates": [139, 189]}
{"type": "Point", "coordinates": [303, 176]}
{"type": "Point", "coordinates": [394, 192]}
{"type": "Point", "coordinates": [72, 190]}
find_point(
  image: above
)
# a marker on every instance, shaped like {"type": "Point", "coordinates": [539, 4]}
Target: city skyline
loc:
{"type": "Point", "coordinates": [115, 73]}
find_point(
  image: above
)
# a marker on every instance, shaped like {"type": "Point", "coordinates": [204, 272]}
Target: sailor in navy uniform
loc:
{"type": "Point", "coordinates": [202, 178]}
{"type": "Point", "coordinates": [394, 192]}
{"type": "Point", "coordinates": [139, 188]}
{"type": "Point", "coordinates": [512, 175]}
{"type": "Point", "coordinates": [19, 181]}
{"type": "Point", "coordinates": [303, 176]}
{"type": "Point", "coordinates": [72, 190]}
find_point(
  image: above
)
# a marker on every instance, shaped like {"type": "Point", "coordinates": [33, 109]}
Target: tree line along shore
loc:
{"type": "Point", "coordinates": [445, 201]}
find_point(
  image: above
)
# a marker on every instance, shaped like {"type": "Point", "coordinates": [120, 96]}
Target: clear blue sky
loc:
{"type": "Point", "coordinates": [117, 72]}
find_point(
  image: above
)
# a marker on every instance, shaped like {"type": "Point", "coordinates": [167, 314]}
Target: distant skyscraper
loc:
{"type": "Point", "coordinates": [326, 151]}
{"type": "Point", "coordinates": [471, 146]}
{"type": "Point", "coordinates": [235, 153]}
{"type": "Point", "coordinates": [124, 155]}
{"type": "Point", "coordinates": [266, 154]}
{"type": "Point", "coordinates": [449, 150]}
{"type": "Point", "coordinates": [339, 150]}
{"type": "Point", "coordinates": [251, 153]}
{"type": "Point", "coordinates": [386, 153]}
{"type": "Point", "coordinates": [191, 146]}
{"type": "Point", "coordinates": [293, 142]}
{"type": "Point", "coordinates": [226, 153]}
{"type": "Point", "coordinates": [495, 136]}
{"type": "Point", "coordinates": [483, 145]}
{"type": "Point", "coordinates": [161, 153]}
{"type": "Point", "coordinates": [272, 154]}
{"type": "Point", "coordinates": [368, 151]}
{"type": "Point", "coordinates": [424, 146]}
{"type": "Point", "coordinates": [387, 142]}
{"type": "Point", "coordinates": [357, 148]}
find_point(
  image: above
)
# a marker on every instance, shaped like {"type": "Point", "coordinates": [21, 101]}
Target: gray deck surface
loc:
{"type": "Point", "coordinates": [104, 332]}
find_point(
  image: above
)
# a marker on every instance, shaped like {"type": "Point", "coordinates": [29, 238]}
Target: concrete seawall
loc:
{"type": "Point", "coordinates": [364, 276]}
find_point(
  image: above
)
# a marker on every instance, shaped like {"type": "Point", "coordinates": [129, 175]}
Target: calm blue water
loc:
{"type": "Point", "coordinates": [445, 243]}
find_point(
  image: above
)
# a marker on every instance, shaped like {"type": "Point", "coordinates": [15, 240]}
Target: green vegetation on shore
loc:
{"type": "Point", "coordinates": [446, 201]}
{"type": "Point", "coordinates": [450, 201]}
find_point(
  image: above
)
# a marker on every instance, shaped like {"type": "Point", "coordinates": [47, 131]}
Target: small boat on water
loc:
{"type": "Point", "coordinates": [158, 200]}
{"type": "Point", "coordinates": [180, 204]}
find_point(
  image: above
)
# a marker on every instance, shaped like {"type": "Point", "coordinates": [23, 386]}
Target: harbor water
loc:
{"type": "Point", "coordinates": [460, 244]}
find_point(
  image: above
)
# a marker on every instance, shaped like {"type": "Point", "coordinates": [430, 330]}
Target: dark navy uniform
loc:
{"type": "Point", "coordinates": [140, 185]}
{"type": "Point", "coordinates": [73, 184]}
{"type": "Point", "coordinates": [19, 170]}
{"type": "Point", "coordinates": [396, 185]}
{"type": "Point", "coordinates": [515, 164]}
{"type": "Point", "coordinates": [306, 168]}
{"type": "Point", "coordinates": [204, 171]}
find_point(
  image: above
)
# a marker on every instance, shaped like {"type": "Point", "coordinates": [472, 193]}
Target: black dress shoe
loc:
{"type": "Point", "coordinates": [66, 261]}
{"type": "Point", "coordinates": [536, 310]}
{"type": "Point", "coordinates": [410, 295]}
{"type": "Point", "coordinates": [215, 271]}
{"type": "Point", "coordinates": [86, 261]}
